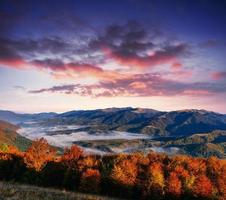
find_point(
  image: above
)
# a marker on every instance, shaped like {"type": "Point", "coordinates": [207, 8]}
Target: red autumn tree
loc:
{"type": "Point", "coordinates": [196, 166]}
{"type": "Point", "coordinates": [174, 186]}
{"type": "Point", "coordinates": [221, 185]}
{"type": "Point", "coordinates": [71, 156]}
{"type": "Point", "coordinates": [217, 175]}
{"type": "Point", "coordinates": [74, 152]}
{"type": "Point", "coordinates": [202, 187]}
{"type": "Point", "coordinates": [38, 154]}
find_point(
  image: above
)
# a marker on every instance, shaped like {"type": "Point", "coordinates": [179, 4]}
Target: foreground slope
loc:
{"type": "Point", "coordinates": [12, 191]}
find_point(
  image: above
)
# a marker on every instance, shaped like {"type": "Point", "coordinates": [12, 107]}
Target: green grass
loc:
{"type": "Point", "coordinates": [12, 191]}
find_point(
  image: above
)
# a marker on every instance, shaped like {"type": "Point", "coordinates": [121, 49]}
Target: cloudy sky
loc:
{"type": "Point", "coordinates": [60, 55]}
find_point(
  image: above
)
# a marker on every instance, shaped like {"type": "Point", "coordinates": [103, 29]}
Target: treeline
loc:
{"type": "Point", "coordinates": [132, 176]}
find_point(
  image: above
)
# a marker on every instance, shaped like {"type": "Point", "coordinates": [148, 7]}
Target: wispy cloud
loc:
{"type": "Point", "coordinates": [19, 87]}
{"type": "Point", "coordinates": [138, 85]}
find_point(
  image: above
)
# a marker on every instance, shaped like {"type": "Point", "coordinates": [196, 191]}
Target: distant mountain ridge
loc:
{"type": "Point", "coordinates": [16, 118]}
{"type": "Point", "coordinates": [147, 121]}
{"type": "Point", "coordinates": [137, 120]}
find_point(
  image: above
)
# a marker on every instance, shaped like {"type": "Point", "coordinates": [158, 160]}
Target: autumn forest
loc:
{"type": "Point", "coordinates": [130, 176]}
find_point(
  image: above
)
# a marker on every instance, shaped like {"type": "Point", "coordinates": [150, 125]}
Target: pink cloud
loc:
{"type": "Point", "coordinates": [198, 92]}
{"type": "Point", "coordinates": [218, 75]}
{"type": "Point", "coordinates": [60, 69]}
{"type": "Point", "coordinates": [176, 66]}
{"type": "Point", "coordinates": [169, 55]}
{"type": "Point", "coordinates": [182, 74]}
{"type": "Point", "coordinates": [16, 63]}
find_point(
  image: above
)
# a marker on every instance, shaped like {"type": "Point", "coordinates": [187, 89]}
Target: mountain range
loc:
{"type": "Point", "coordinates": [146, 121]}
{"type": "Point", "coordinates": [195, 132]}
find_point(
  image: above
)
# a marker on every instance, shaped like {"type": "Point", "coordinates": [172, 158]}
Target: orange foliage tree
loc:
{"type": "Point", "coordinates": [88, 162]}
{"type": "Point", "coordinates": [125, 171]}
{"type": "Point", "coordinates": [38, 154]}
{"type": "Point", "coordinates": [155, 182]}
{"type": "Point", "coordinates": [71, 156]}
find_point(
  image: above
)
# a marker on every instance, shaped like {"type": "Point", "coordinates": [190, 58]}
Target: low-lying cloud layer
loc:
{"type": "Point", "coordinates": [64, 140]}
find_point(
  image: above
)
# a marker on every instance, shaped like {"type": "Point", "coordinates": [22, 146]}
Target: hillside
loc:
{"type": "Point", "coordinates": [204, 144]}
{"type": "Point", "coordinates": [8, 135]}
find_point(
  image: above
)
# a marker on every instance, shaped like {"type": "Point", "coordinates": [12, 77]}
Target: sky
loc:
{"type": "Point", "coordinates": [60, 55]}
